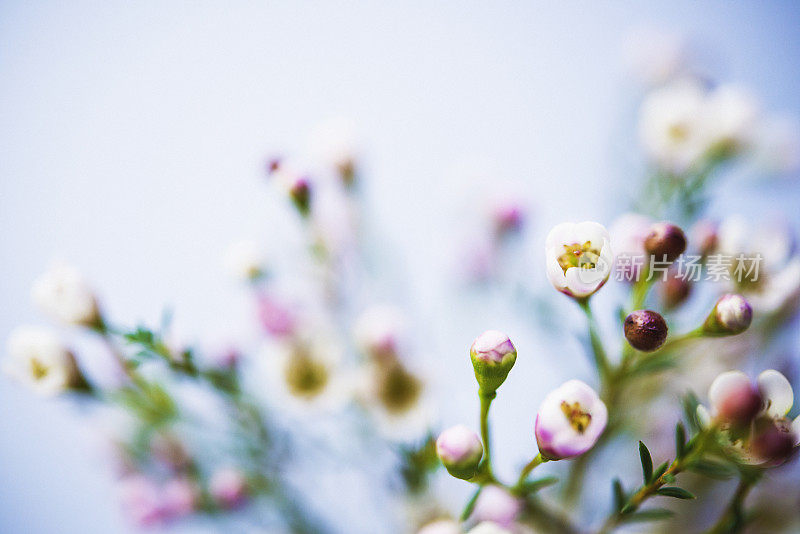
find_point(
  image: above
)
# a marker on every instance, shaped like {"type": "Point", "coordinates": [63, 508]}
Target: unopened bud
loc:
{"type": "Point", "coordinates": [300, 193]}
{"type": "Point", "coordinates": [460, 450]}
{"type": "Point", "coordinates": [731, 315]}
{"type": "Point", "coordinates": [665, 241]}
{"type": "Point", "coordinates": [493, 355]}
{"type": "Point", "coordinates": [674, 291]}
{"type": "Point", "coordinates": [645, 330]}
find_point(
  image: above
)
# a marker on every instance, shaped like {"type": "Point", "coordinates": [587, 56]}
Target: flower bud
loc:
{"type": "Point", "coordinates": [228, 487]}
{"type": "Point", "coordinates": [665, 241]}
{"type": "Point", "coordinates": [732, 314]}
{"type": "Point", "coordinates": [645, 330]}
{"type": "Point", "coordinates": [496, 505]}
{"type": "Point", "coordinates": [570, 421]}
{"type": "Point", "coordinates": [705, 234]}
{"type": "Point", "coordinates": [460, 450]}
{"type": "Point", "coordinates": [300, 193]}
{"type": "Point", "coordinates": [493, 355]}
{"type": "Point", "coordinates": [674, 291]}
{"type": "Point", "coordinates": [734, 398]}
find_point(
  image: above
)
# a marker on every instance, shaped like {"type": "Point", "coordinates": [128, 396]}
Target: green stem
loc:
{"type": "Point", "coordinates": [732, 519]}
{"type": "Point", "coordinates": [641, 287]}
{"type": "Point", "coordinates": [533, 464]}
{"type": "Point", "coordinates": [599, 353]}
{"type": "Point", "coordinates": [486, 402]}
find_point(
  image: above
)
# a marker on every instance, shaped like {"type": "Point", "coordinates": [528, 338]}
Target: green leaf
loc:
{"type": "Point", "coordinates": [654, 514]}
{"type": "Point", "coordinates": [619, 495]}
{"type": "Point", "coordinates": [673, 491]}
{"type": "Point", "coordinates": [690, 404]}
{"type": "Point", "coordinates": [647, 462]}
{"type": "Point", "coordinates": [680, 440]}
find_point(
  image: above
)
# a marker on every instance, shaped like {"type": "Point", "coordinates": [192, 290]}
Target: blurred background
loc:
{"type": "Point", "coordinates": [134, 138]}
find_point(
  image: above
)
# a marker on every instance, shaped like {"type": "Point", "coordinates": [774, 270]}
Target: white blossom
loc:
{"type": "Point", "coordinates": [578, 258]}
{"type": "Point", "coordinates": [570, 420]}
{"type": "Point", "coordinates": [39, 360]}
{"type": "Point", "coordinates": [62, 293]}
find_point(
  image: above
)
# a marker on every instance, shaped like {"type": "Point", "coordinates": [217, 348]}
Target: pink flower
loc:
{"type": "Point", "coordinates": [496, 505]}
{"type": "Point", "coordinates": [276, 318]}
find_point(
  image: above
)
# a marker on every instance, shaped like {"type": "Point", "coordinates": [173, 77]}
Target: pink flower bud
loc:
{"type": "Point", "coordinates": [228, 487]}
{"type": "Point", "coordinates": [731, 315]}
{"type": "Point", "coordinates": [276, 318]}
{"type": "Point", "coordinates": [496, 505]}
{"type": "Point", "coordinates": [179, 498]}
{"type": "Point", "coordinates": [460, 450]}
{"type": "Point", "coordinates": [570, 421]}
{"type": "Point", "coordinates": [493, 355]}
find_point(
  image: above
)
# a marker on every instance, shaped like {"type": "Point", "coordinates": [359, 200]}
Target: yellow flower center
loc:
{"type": "Point", "coordinates": [577, 255]}
{"type": "Point", "coordinates": [678, 132]}
{"type": "Point", "coordinates": [305, 376]}
{"type": "Point", "coordinates": [578, 419]}
{"type": "Point", "coordinates": [398, 390]}
{"type": "Point", "coordinates": [38, 369]}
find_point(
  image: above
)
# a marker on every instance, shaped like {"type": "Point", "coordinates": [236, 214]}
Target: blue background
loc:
{"type": "Point", "coordinates": [133, 137]}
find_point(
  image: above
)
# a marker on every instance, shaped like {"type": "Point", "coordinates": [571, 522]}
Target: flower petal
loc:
{"type": "Point", "coordinates": [726, 384]}
{"type": "Point", "coordinates": [777, 392]}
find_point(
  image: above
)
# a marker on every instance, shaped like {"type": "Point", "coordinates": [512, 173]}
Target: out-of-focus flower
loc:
{"type": "Point", "coordinates": [628, 232]}
{"type": "Point", "coordinates": [765, 268]}
{"type": "Point", "coordinates": [306, 375]}
{"type": "Point", "coordinates": [496, 505]}
{"type": "Point", "coordinates": [441, 526]}
{"type": "Point", "coordinates": [665, 241]}
{"type": "Point", "coordinates": [705, 235]}
{"type": "Point", "coordinates": [674, 290]}
{"type": "Point", "coordinates": [141, 500]}
{"type": "Point", "coordinates": [395, 397]}
{"type": "Point", "coordinates": [334, 142]}
{"type": "Point", "coordinates": [570, 421]}
{"type": "Point", "coordinates": [62, 293]}
{"type": "Point", "coordinates": [170, 451]}
{"type": "Point", "coordinates": [507, 216]}
{"type": "Point", "coordinates": [460, 450]}
{"type": "Point", "coordinates": [275, 316]}
{"type": "Point", "coordinates": [578, 258]}
{"type": "Point", "coordinates": [377, 331]}
{"type": "Point", "coordinates": [777, 145]}
{"type": "Point", "coordinates": [228, 488]}
{"type": "Point", "coordinates": [732, 118]}
{"type": "Point", "coordinates": [493, 355]}
{"type": "Point", "coordinates": [244, 260]}
{"type": "Point", "coordinates": [732, 315]}
{"type": "Point", "coordinates": [672, 127]}
{"type": "Point", "coordinates": [653, 55]}
{"type": "Point", "coordinates": [645, 330]}
{"type": "Point", "coordinates": [39, 360]}
{"type": "Point", "coordinates": [179, 498]}
{"type": "Point", "coordinates": [489, 527]}
{"type": "Point", "coordinates": [297, 187]}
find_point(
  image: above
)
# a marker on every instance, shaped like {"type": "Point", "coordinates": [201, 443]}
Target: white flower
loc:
{"type": "Point", "coordinates": [378, 329]}
{"type": "Point", "coordinates": [244, 260]}
{"type": "Point", "coordinates": [777, 145]}
{"type": "Point", "coordinates": [732, 114]}
{"type": "Point", "coordinates": [62, 293]}
{"type": "Point", "coordinates": [578, 258]}
{"type": "Point", "coordinates": [441, 526]}
{"type": "Point", "coordinates": [39, 360]}
{"type": "Point", "coordinates": [496, 505]}
{"type": "Point", "coordinates": [776, 392]}
{"type": "Point", "coordinates": [570, 421]}
{"type": "Point", "coordinates": [769, 276]}
{"type": "Point", "coordinates": [306, 374]}
{"type": "Point", "coordinates": [672, 126]}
